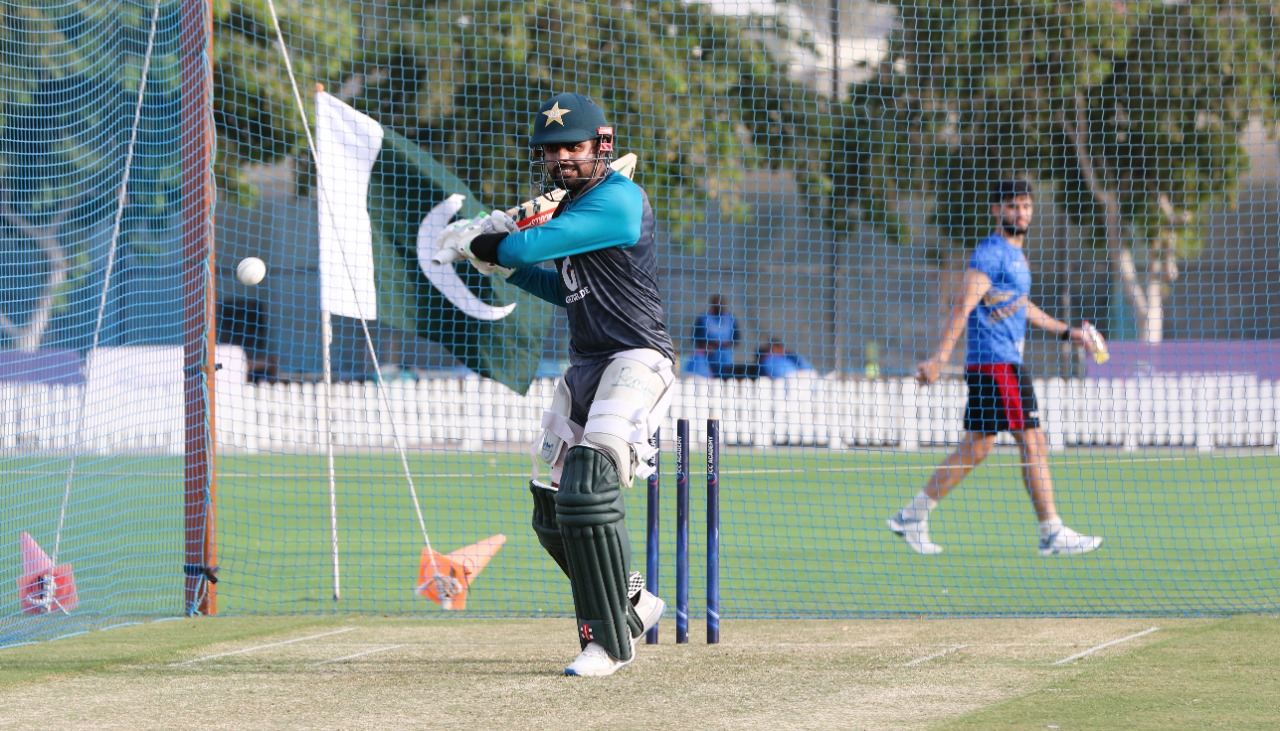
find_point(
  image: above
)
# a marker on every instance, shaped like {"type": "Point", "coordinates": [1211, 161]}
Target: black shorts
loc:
{"type": "Point", "coordinates": [1000, 399]}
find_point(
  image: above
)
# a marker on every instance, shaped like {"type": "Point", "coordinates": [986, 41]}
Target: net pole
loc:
{"type": "Point", "coordinates": [198, 295]}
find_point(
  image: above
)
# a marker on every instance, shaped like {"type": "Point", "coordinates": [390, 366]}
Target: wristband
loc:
{"type": "Point", "coordinates": [1065, 335]}
{"type": "Point", "coordinates": [485, 247]}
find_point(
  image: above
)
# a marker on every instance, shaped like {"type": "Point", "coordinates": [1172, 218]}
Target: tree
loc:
{"type": "Point", "coordinates": [1132, 113]}
{"type": "Point", "coordinates": [462, 79]}
{"type": "Point", "coordinates": [73, 71]}
{"type": "Point", "coordinates": [73, 74]}
{"type": "Point", "coordinates": [256, 115]}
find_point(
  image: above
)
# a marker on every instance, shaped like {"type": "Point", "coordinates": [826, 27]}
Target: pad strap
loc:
{"type": "Point", "coordinates": [560, 425]}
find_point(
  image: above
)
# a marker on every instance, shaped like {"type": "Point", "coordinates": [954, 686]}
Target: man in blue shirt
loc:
{"type": "Point", "coordinates": [995, 309]}
{"type": "Point", "coordinates": [775, 361]}
{"type": "Point", "coordinates": [716, 332]}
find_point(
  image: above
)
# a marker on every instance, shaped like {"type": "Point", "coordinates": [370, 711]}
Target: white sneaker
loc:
{"type": "Point", "coordinates": [596, 662]}
{"type": "Point", "coordinates": [1066, 542]}
{"type": "Point", "coordinates": [915, 533]}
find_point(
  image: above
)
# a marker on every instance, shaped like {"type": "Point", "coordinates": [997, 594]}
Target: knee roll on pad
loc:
{"type": "Point", "coordinates": [544, 522]}
{"type": "Point", "coordinates": [619, 451]}
{"type": "Point", "coordinates": [590, 512]}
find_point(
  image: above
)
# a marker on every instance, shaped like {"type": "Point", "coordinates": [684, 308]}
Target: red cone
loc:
{"type": "Point", "coordinates": [44, 587]}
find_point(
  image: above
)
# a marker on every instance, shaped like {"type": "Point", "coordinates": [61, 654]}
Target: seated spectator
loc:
{"type": "Point", "coordinates": [715, 333]}
{"type": "Point", "coordinates": [773, 360]}
{"type": "Point", "coordinates": [697, 364]}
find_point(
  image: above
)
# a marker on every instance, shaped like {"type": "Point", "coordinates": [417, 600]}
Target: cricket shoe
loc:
{"type": "Point", "coordinates": [595, 661]}
{"type": "Point", "coordinates": [1066, 542]}
{"type": "Point", "coordinates": [915, 533]}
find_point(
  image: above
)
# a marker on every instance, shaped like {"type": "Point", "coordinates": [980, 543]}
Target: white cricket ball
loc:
{"type": "Point", "coordinates": [251, 270]}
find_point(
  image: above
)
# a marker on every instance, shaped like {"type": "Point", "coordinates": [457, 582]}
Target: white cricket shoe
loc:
{"type": "Point", "coordinates": [1066, 542]}
{"type": "Point", "coordinates": [915, 533]}
{"type": "Point", "coordinates": [596, 662]}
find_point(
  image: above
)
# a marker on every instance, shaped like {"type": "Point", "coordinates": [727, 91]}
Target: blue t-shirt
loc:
{"type": "Point", "coordinates": [781, 365]}
{"type": "Point", "coordinates": [720, 331]}
{"type": "Point", "coordinates": [997, 327]}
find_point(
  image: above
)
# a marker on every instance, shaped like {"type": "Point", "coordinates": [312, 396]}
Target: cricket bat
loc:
{"type": "Point", "coordinates": [539, 210]}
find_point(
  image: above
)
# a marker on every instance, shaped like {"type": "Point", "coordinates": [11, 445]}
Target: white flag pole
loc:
{"type": "Point", "coordinates": [326, 327]}
{"type": "Point", "coordinates": [357, 264]}
{"type": "Point", "coordinates": [324, 307]}
{"type": "Point", "coordinates": [326, 330]}
{"type": "Point", "coordinates": [347, 145]}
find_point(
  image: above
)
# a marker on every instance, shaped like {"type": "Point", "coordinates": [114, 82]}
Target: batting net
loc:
{"type": "Point", "coordinates": [341, 434]}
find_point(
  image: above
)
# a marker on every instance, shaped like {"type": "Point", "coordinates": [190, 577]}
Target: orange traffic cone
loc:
{"type": "Point", "coordinates": [453, 572]}
{"type": "Point", "coordinates": [44, 587]}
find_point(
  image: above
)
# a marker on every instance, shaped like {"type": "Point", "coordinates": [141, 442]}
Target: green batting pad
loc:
{"type": "Point", "coordinates": [589, 509]}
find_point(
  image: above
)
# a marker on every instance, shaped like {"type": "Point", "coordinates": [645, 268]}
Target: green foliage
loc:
{"type": "Point", "coordinates": [977, 91]}
{"type": "Point", "coordinates": [72, 74]}
{"type": "Point", "coordinates": [255, 111]}
{"type": "Point", "coordinates": [53, 145]}
{"type": "Point", "coordinates": [463, 79]}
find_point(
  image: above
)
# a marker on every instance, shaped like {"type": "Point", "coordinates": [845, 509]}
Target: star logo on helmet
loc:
{"type": "Point", "coordinates": [556, 114]}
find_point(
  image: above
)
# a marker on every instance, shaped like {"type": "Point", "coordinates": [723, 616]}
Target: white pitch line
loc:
{"type": "Point", "coordinates": [1104, 645]}
{"type": "Point", "coordinates": [262, 647]}
{"type": "Point", "coordinates": [358, 654]}
{"type": "Point", "coordinates": [934, 656]}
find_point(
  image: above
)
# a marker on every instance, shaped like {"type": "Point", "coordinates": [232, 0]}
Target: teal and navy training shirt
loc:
{"type": "Point", "coordinates": [606, 272]}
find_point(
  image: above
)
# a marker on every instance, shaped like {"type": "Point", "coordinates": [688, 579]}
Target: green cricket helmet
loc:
{"type": "Point", "coordinates": [567, 118]}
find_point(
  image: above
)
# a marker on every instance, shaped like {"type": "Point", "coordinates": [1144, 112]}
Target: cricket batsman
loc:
{"type": "Point", "coordinates": [618, 384]}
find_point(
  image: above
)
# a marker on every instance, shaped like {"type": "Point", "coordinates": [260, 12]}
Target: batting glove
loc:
{"type": "Point", "coordinates": [499, 222]}
{"type": "Point", "coordinates": [495, 222]}
{"type": "Point", "coordinates": [454, 243]}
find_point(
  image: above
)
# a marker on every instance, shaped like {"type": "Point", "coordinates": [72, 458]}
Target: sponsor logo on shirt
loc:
{"type": "Point", "coordinates": [1000, 306]}
{"type": "Point", "coordinates": [570, 278]}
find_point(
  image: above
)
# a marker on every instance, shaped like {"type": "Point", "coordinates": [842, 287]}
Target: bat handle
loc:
{"type": "Point", "coordinates": [447, 256]}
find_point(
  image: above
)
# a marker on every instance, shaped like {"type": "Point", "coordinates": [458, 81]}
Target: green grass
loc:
{"type": "Point", "coordinates": [1209, 676]}
{"type": "Point", "coordinates": [802, 535]}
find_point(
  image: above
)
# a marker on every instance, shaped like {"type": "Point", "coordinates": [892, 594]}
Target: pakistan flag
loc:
{"type": "Point", "coordinates": [382, 203]}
